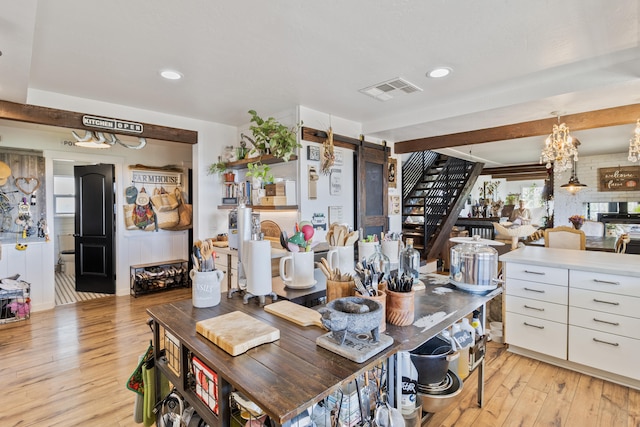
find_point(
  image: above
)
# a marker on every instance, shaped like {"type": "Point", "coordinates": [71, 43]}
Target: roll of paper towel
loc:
{"type": "Point", "coordinates": [257, 267]}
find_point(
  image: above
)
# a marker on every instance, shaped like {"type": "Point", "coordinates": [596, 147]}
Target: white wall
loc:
{"type": "Point", "coordinates": [322, 121]}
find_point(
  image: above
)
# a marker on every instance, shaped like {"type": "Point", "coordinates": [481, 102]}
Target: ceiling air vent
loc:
{"type": "Point", "coordinates": [384, 91]}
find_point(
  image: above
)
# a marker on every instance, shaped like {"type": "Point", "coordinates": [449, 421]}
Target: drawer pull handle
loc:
{"type": "Point", "coordinates": [606, 282]}
{"type": "Point", "coordinates": [607, 322]}
{"type": "Point", "coordinates": [533, 308]}
{"type": "Point", "coordinates": [534, 326]}
{"type": "Point", "coordinates": [606, 302]}
{"type": "Point", "coordinates": [534, 290]}
{"type": "Point", "coordinates": [615, 344]}
{"type": "Point", "coordinates": [540, 273]}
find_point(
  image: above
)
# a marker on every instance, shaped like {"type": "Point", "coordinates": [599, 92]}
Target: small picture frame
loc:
{"type": "Point", "coordinates": [393, 172]}
{"type": "Point", "coordinates": [313, 153]}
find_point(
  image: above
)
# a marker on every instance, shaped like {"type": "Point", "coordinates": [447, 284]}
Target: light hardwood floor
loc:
{"type": "Point", "coordinates": [68, 367]}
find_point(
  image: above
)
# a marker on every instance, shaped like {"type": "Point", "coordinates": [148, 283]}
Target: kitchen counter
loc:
{"type": "Point", "coordinates": [574, 309]}
{"type": "Point", "coordinates": [599, 262]}
{"type": "Point", "coordinates": [291, 374]}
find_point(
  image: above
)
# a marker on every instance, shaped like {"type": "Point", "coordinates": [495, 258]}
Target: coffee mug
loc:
{"type": "Point", "coordinates": [296, 270]}
{"type": "Point", "coordinates": [341, 257]}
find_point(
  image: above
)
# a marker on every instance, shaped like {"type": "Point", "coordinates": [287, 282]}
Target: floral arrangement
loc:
{"type": "Point", "coordinates": [576, 220]}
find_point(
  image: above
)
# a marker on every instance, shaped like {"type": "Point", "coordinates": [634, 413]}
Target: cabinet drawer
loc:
{"type": "Point", "coordinates": [539, 335]}
{"type": "Point", "coordinates": [537, 291]}
{"type": "Point", "coordinates": [539, 309]}
{"type": "Point", "coordinates": [608, 303]}
{"type": "Point", "coordinates": [536, 273]}
{"type": "Point", "coordinates": [611, 353]}
{"type": "Point", "coordinates": [611, 283]}
{"type": "Point", "coordinates": [605, 322]}
{"type": "Point", "coordinates": [221, 260]}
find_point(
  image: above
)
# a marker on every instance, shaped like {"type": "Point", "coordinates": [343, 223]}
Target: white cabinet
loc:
{"type": "Point", "coordinates": [604, 319]}
{"type": "Point", "coordinates": [227, 262]}
{"type": "Point", "coordinates": [575, 309]}
{"type": "Point", "coordinates": [536, 308]}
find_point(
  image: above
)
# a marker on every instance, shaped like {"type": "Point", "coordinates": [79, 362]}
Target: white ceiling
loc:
{"type": "Point", "coordinates": [512, 61]}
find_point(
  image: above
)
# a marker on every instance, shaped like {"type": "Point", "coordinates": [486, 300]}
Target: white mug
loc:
{"type": "Point", "coordinates": [296, 270]}
{"type": "Point", "coordinates": [342, 257]}
{"type": "Point", "coordinates": [366, 249]}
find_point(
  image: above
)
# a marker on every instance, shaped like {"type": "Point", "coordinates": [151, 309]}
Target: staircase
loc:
{"type": "Point", "coordinates": [434, 188]}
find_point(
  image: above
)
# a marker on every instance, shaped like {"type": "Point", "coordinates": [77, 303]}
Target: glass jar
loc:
{"type": "Point", "coordinates": [380, 263]}
{"type": "Point", "coordinates": [410, 261]}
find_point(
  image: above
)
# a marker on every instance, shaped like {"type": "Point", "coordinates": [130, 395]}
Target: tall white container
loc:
{"type": "Point", "coordinates": [257, 267]}
{"type": "Point", "coordinates": [205, 288]}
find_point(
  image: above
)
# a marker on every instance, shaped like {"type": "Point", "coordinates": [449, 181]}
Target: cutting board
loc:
{"type": "Point", "coordinates": [236, 332]}
{"type": "Point", "coordinates": [295, 313]}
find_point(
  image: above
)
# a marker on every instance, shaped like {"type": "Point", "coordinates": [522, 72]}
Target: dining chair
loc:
{"type": "Point", "coordinates": [564, 237]}
{"type": "Point", "coordinates": [593, 228]}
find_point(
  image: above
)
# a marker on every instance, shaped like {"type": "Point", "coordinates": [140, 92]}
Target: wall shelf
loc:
{"type": "Point", "coordinates": [266, 159]}
{"type": "Point", "coordinates": [263, 207]}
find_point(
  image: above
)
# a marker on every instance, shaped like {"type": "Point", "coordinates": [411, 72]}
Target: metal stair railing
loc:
{"type": "Point", "coordinates": [414, 168]}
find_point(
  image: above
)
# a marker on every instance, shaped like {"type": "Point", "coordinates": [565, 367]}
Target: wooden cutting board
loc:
{"type": "Point", "coordinates": [295, 313]}
{"type": "Point", "coordinates": [237, 332]}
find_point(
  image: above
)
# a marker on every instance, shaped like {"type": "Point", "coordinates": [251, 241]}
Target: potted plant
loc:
{"type": "Point", "coordinates": [219, 167]}
{"type": "Point", "coordinates": [270, 137]}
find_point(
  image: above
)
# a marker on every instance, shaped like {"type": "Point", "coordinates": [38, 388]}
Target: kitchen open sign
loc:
{"type": "Point", "coordinates": [112, 124]}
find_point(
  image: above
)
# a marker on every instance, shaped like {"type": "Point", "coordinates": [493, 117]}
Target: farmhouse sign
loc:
{"type": "Point", "coordinates": [619, 179]}
{"type": "Point", "coordinates": [112, 124]}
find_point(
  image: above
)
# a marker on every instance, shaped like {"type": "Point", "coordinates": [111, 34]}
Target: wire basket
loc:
{"type": "Point", "coordinates": [15, 301]}
{"type": "Point", "coordinates": [206, 383]}
{"type": "Point", "coordinates": [172, 352]}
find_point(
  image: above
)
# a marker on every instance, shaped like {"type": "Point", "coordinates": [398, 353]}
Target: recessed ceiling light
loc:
{"type": "Point", "coordinates": [171, 75]}
{"type": "Point", "coordinates": [439, 72]}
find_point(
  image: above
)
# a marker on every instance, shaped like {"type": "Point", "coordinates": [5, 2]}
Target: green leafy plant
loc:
{"type": "Point", "coordinates": [217, 168]}
{"type": "Point", "coordinates": [260, 171]}
{"type": "Point", "coordinates": [273, 137]}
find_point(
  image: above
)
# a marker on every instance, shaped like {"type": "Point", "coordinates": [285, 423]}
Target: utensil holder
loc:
{"type": "Point", "coordinates": [400, 307]}
{"type": "Point", "coordinates": [336, 289]}
{"type": "Point", "coordinates": [382, 299]}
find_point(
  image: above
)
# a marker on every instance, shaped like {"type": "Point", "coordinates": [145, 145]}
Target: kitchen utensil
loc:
{"type": "Point", "coordinates": [284, 240]}
{"type": "Point", "coordinates": [474, 264]}
{"type": "Point", "coordinates": [296, 313]}
{"type": "Point", "coordinates": [432, 359]}
{"type": "Point", "coordinates": [236, 332]}
{"type": "Point", "coordinates": [351, 238]}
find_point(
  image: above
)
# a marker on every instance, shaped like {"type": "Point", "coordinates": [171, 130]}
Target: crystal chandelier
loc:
{"type": "Point", "coordinates": [559, 149]}
{"type": "Point", "coordinates": [634, 144]}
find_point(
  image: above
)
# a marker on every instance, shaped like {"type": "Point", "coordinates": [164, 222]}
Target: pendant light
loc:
{"type": "Point", "coordinates": [574, 185]}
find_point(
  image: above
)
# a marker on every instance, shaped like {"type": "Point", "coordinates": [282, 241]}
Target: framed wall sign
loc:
{"type": "Point", "coordinates": [393, 168]}
{"type": "Point", "coordinates": [313, 153]}
{"type": "Point", "coordinates": [621, 178]}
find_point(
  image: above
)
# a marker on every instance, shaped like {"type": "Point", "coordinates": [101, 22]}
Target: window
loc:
{"type": "Point", "coordinates": [64, 199]}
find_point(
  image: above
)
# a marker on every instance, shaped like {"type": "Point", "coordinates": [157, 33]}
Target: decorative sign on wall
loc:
{"type": "Point", "coordinates": [112, 124]}
{"type": "Point", "coordinates": [619, 179]}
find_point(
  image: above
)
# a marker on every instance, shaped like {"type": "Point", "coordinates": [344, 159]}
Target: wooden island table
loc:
{"type": "Point", "coordinates": [289, 375]}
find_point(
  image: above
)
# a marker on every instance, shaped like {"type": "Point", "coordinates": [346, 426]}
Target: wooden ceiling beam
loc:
{"type": "Point", "coordinates": [534, 167]}
{"type": "Point", "coordinates": [615, 116]}
{"type": "Point", "coordinates": [69, 119]}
